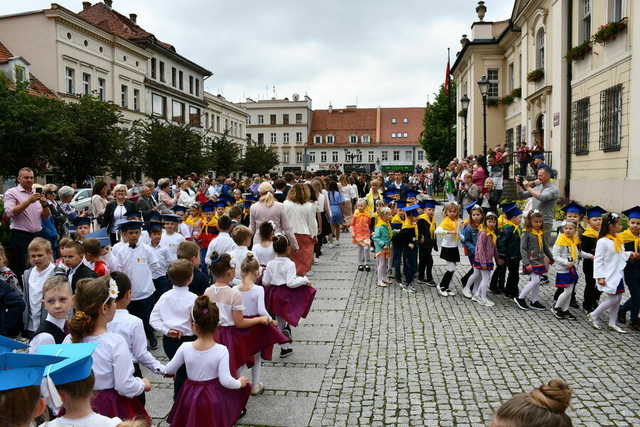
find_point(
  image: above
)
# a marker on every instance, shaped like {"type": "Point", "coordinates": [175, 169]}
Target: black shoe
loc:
{"type": "Point", "coordinates": [243, 413]}
{"type": "Point", "coordinates": [537, 306]}
{"type": "Point", "coordinates": [558, 313]}
{"type": "Point", "coordinates": [361, 267]}
{"type": "Point", "coordinates": [574, 304]}
{"type": "Point", "coordinates": [521, 303]}
{"type": "Point", "coordinates": [544, 280]}
{"type": "Point", "coordinates": [287, 331]}
{"type": "Point", "coordinates": [367, 268]}
{"type": "Point", "coordinates": [622, 317]}
{"type": "Point", "coordinates": [153, 343]}
{"type": "Point", "coordinates": [285, 353]}
{"type": "Point", "coordinates": [569, 315]}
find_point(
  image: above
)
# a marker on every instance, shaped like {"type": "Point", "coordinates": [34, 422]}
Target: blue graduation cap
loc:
{"type": "Point", "coordinates": [154, 216]}
{"type": "Point", "coordinates": [411, 194]}
{"type": "Point", "coordinates": [82, 220]}
{"type": "Point", "coordinates": [507, 206]}
{"type": "Point", "coordinates": [392, 192]}
{"type": "Point", "coordinates": [428, 203]}
{"type": "Point", "coordinates": [102, 235]}
{"type": "Point", "coordinates": [633, 213]}
{"type": "Point", "coordinates": [171, 218]}
{"type": "Point", "coordinates": [513, 212]}
{"type": "Point", "coordinates": [153, 226]}
{"type": "Point", "coordinates": [208, 206]}
{"type": "Point", "coordinates": [396, 225]}
{"type": "Point", "coordinates": [412, 210]}
{"type": "Point", "coordinates": [76, 366]}
{"type": "Point", "coordinates": [178, 208]}
{"type": "Point", "coordinates": [131, 225]}
{"type": "Point", "coordinates": [574, 207]}
{"type": "Point", "coordinates": [7, 345]}
{"type": "Point", "coordinates": [133, 215]}
{"type": "Point", "coordinates": [250, 196]}
{"type": "Point", "coordinates": [220, 203]}
{"type": "Point", "coordinates": [18, 370]}
{"type": "Point", "coordinates": [400, 204]}
{"type": "Point", "coordinates": [470, 207]}
{"type": "Point", "coordinates": [247, 203]}
{"type": "Point", "coordinates": [539, 156]}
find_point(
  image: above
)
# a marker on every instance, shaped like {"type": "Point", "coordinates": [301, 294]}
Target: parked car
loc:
{"type": "Point", "coordinates": [82, 199]}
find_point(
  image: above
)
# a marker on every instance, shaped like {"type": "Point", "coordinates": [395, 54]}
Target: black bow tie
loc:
{"type": "Point", "coordinates": [132, 246]}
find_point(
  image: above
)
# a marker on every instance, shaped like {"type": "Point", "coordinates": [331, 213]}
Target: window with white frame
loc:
{"type": "Point", "coordinates": [124, 96]}
{"type": "Point", "coordinates": [385, 156]}
{"type": "Point", "coordinates": [311, 157]}
{"type": "Point", "coordinates": [334, 157]}
{"type": "Point", "coordinates": [359, 157]}
{"type": "Point", "coordinates": [396, 155]}
{"type": "Point", "coordinates": [21, 73]}
{"type": "Point", "coordinates": [353, 139]}
{"type": "Point", "coordinates": [540, 49]}
{"type": "Point", "coordinates": [393, 135]}
{"type": "Point", "coordinates": [298, 136]}
{"type": "Point", "coordinates": [69, 75]}
{"type": "Point", "coordinates": [273, 137]}
{"type": "Point", "coordinates": [285, 138]}
{"type": "Point", "coordinates": [317, 139]}
{"type": "Point", "coordinates": [366, 139]}
{"type": "Point", "coordinates": [260, 119]}
{"type": "Point", "coordinates": [331, 139]}
{"type": "Point", "coordinates": [323, 157]}
{"type": "Point", "coordinates": [194, 116]}
{"type": "Point", "coordinates": [177, 109]}
{"type": "Point", "coordinates": [494, 83]}
{"type": "Point", "coordinates": [420, 155]}
{"type": "Point", "coordinates": [616, 10]}
{"type": "Point", "coordinates": [158, 105]}
{"type": "Point", "coordinates": [136, 99]}
{"type": "Point", "coordinates": [510, 79]}
{"type": "Point", "coordinates": [611, 118]}
{"type": "Point", "coordinates": [86, 83]}
{"type": "Point", "coordinates": [371, 157]}
{"type": "Point", "coordinates": [394, 120]}
{"type": "Point", "coordinates": [585, 21]}
{"type": "Point", "coordinates": [405, 134]}
{"type": "Point", "coordinates": [405, 120]}
{"type": "Point", "coordinates": [285, 157]}
{"type": "Point", "coordinates": [408, 155]}
{"type": "Point", "coordinates": [299, 157]}
{"type": "Point", "coordinates": [102, 89]}
{"type": "Point", "coordinates": [180, 79]}
{"type": "Point", "coordinates": [298, 118]}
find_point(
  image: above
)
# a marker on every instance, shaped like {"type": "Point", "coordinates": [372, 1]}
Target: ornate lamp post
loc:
{"type": "Point", "coordinates": [464, 102]}
{"type": "Point", "coordinates": [483, 84]}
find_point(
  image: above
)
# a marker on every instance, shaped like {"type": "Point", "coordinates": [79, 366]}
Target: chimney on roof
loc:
{"type": "Point", "coordinates": [86, 5]}
{"type": "Point", "coordinates": [133, 17]}
{"type": "Point", "coordinates": [330, 108]}
{"type": "Point", "coordinates": [108, 3]}
{"type": "Point", "coordinates": [464, 40]}
{"type": "Point", "coordinates": [481, 10]}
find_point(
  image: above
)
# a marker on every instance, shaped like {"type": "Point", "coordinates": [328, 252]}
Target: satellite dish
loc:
{"type": "Point", "coordinates": [296, 97]}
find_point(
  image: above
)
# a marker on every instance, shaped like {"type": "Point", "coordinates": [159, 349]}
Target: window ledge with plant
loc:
{"type": "Point", "coordinates": [517, 92]}
{"type": "Point", "coordinates": [577, 53]}
{"type": "Point", "coordinates": [610, 31]}
{"type": "Point", "coordinates": [535, 75]}
{"type": "Point", "coordinates": [507, 100]}
{"type": "Point", "coordinates": [493, 102]}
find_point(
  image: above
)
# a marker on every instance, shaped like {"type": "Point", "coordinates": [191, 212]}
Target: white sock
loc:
{"type": "Point", "coordinates": [534, 282]}
{"type": "Point", "coordinates": [255, 371]}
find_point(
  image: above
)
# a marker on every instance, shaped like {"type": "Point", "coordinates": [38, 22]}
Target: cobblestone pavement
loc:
{"type": "Point", "coordinates": [372, 356]}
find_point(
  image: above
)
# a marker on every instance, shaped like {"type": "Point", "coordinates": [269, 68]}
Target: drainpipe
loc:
{"type": "Point", "coordinates": [567, 184]}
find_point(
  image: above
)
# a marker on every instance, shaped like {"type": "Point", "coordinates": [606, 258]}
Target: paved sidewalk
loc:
{"type": "Point", "coordinates": [372, 356]}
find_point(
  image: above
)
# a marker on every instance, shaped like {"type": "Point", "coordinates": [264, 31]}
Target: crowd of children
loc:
{"type": "Point", "coordinates": [403, 231]}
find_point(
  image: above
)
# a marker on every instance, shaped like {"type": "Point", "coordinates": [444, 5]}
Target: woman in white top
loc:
{"type": "Point", "coordinates": [99, 201]}
{"type": "Point", "coordinates": [211, 396]}
{"type": "Point", "coordinates": [186, 197]}
{"type": "Point", "coordinates": [608, 270]}
{"type": "Point", "coordinates": [302, 219]}
{"type": "Point", "coordinates": [115, 385]}
{"type": "Point", "coordinates": [347, 208]}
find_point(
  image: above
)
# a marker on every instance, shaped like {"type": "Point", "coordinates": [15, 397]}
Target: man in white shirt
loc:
{"type": "Point", "coordinates": [138, 261]}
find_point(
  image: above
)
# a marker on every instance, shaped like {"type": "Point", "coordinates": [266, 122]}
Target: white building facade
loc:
{"type": "Point", "coordinates": [222, 116]}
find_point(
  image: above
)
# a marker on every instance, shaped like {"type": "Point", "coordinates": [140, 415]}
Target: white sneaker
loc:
{"type": "Point", "coordinates": [487, 302]}
{"type": "Point", "coordinates": [451, 292]}
{"type": "Point", "coordinates": [442, 292]}
{"type": "Point", "coordinates": [617, 329]}
{"type": "Point", "coordinates": [476, 299]}
{"type": "Point", "coordinates": [382, 284]}
{"type": "Point", "coordinates": [467, 293]}
{"type": "Point", "coordinates": [594, 322]}
{"type": "Point", "coordinates": [309, 273]}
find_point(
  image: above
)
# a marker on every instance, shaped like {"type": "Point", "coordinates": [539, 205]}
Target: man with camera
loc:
{"type": "Point", "coordinates": [26, 208]}
{"type": "Point", "coordinates": [544, 195]}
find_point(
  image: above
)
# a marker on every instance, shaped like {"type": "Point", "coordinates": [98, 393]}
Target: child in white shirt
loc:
{"type": "Point", "coordinates": [42, 266]}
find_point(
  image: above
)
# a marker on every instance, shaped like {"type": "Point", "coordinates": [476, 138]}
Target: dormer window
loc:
{"type": "Point", "coordinates": [405, 120]}
{"type": "Point", "coordinates": [394, 121]}
{"type": "Point", "coordinates": [20, 73]}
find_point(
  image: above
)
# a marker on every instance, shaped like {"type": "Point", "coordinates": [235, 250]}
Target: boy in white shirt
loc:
{"type": "Point", "coordinates": [223, 243]}
{"type": "Point", "coordinates": [160, 281]}
{"type": "Point", "coordinates": [171, 239]}
{"type": "Point", "coordinates": [172, 315]}
{"type": "Point", "coordinates": [42, 266]}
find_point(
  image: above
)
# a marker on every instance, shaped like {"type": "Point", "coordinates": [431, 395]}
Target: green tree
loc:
{"type": "Point", "coordinates": [31, 127]}
{"type": "Point", "coordinates": [224, 154]}
{"type": "Point", "coordinates": [93, 139]}
{"type": "Point", "coordinates": [259, 158]}
{"type": "Point", "coordinates": [168, 149]}
{"type": "Point", "coordinates": [127, 158]}
{"type": "Point", "coordinates": [438, 138]}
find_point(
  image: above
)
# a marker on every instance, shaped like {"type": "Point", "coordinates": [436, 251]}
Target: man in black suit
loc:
{"type": "Point", "coordinates": [147, 203]}
{"type": "Point", "coordinates": [397, 184]}
{"type": "Point", "coordinates": [72, 256]}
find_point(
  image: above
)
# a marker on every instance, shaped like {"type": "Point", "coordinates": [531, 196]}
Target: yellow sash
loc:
{"type": "Point", "coordinates": [539, 235]}
{"type": "Point", "coordinates": [450, 225]}
{"type": "Point", "coordinates": [627, 236]}
{"type": "Point", "coordinates": [563, 240]}
{"type": "Point", "coordinates": [431, 222]}
{"type": "Point", "coordinates": [407, 224]}
{"type": "Point", "coordinates": [618, 243]}
{"type": "Point", "coordinates": [491, 233]}
{"type": "Point", "coordinates": [508, 222]}
{"type": "Point", "coordinates": [590, 232]}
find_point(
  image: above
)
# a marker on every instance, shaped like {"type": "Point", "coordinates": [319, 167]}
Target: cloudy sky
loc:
{"type": "Point", "coordinates": [375, 52]}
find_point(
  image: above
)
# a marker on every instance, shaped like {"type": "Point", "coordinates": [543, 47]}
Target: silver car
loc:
{"type": "Point", "coordinates": [82, 199]}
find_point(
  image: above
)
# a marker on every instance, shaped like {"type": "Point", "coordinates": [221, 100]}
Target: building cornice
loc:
{"type": "Point", "coordinates": [173, 92]}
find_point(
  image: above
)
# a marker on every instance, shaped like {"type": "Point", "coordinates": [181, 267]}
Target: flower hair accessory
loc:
{"type": "Point", "coordinates": [79, 315]}
{"type": "Point", "coordinates": [281, 234]}
{"type": "Point", "coordinates": [113, 291]}
{"type": "Point", "coordinates": [205, 311]}
{"type": "Point", "coordinates": [215, 258]}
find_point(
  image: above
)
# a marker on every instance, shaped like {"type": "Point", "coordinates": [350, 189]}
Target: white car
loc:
{"type": "Point", "coordinates": [82, 199]}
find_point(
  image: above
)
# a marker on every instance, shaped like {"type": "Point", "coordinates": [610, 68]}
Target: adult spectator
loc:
{"type": "Point", "coordinates": [544, 195]}
{"type": "Point", "coordinates": [267, 208]}
{"type": "Point", "coordinates": [147, 203]}
{"type": "Point", "coordinates": [480, 173]}
{"type": "Point", "coordinates": [65, 195]}
{"type": "Point", "coordinates": [25, 208]}
{"type": "Point", "coordinates": [374, 194]}
{"type": "Point", "coordinates": [165, 200]}
{"type": "Point", "coordinates": [99, 202]}
{"type": "Point", "coordinates": [116, 210]}
{"type": "Point", "coordinates": [397, 184]}
{"type": "Point", "coordinates": [523, 158]}
{"type": "Point", "coordinates": [54, 226]}
{"type": "Point", "coordinates": [186, 197]}
{"type": "Point", "coordinates": [469, 192]}
{"type": "Point", "coordinates": [281, 190]}
{"type": "Point", "coordinates": [496, 173]}
{"type": "Point", "coordinates": [301, 213]}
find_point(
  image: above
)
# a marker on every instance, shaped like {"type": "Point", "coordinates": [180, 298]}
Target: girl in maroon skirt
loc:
{"type": "Point", "coordinates": [115, 385]}
{"type": "Point", "coordinates": [263, 336]}
{"type": "Point", "coordinates": [288, 296]}
{"type": "Point", "coordinates": [235, 330]}
{"type": "Point", "coordinates": [210, 396]}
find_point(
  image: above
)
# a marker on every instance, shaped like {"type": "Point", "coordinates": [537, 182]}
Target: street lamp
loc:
{"type": "Point", "coordinates": [464, 102]}
{"type": "Point", "coordinates": [483, 84]}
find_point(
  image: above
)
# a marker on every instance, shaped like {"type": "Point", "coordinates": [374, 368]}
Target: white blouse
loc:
{"type": "Point", "coordinates": [137, 263]}
{"type": "Point", "coordinates": [45, 337]}
{"type": "Point", "coordinates": [282, 271]}
{"type": "Point", "coordinates": [609, 264]}
{"type": "Point", "coordinates": [237, 256]}
{"type": "Point", "coordinates": [92, 420]}
{"type": "Point", "coordinates": [173, 311]}
{"type": "Point", "coordinates": [171, 242]}
{"type": "Point", "coordinates": [302, 218]}
{"type": "Point", "coordinates": [204, 365]}
{"type": "Point", "coordinates": [131, 329]}
{"type": "Point", "coordinates": [228, 300]}
{"type": "Point", "coordinates": [113, 365]}
{"type": "Point", "coordinates": [253, 302]}
{"type": "Point", "coordinates": [263, 254]}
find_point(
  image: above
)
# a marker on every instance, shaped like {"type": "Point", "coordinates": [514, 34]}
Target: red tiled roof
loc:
{"type": "Point", "coordinates": [343, 123]}
{"type": "Point", "coordinates": [116, 23]}
{"type": "Point", "coordinates": [413, 128]}
{"type": "Point", "coordinates": [36, 87]}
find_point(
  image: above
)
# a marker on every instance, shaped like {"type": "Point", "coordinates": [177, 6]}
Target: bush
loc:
{"type": "Point", "coordinates": [507, 100]}
{"type": "Point", "coordinates": [517, 92]}
{"type": "Point", "coordinates": [535, 75]}
{"type": "Point", "coordinates": [579, 52]}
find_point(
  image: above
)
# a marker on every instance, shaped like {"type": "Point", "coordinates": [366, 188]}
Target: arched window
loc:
{"type": "Point", "coordinates": [540, 48]}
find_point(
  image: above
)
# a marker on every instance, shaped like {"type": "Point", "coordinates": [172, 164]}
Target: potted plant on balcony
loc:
{"type": "Point", "coordinates": [507, 100]}
{"type": "Point", "coordinates": [577, 53]}
{"type": "Point", "coordinates": [535, 75]}
{"type": "Point", "coordinates": [493, 102]}
{"type": "Point", "coordinates": [517, 92]}
{"type": "Point", "coordinates": [610, 31]}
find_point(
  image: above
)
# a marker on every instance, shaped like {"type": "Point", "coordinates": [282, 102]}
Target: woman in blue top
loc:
{"type": "Point", "coordinates": [335, 204]}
